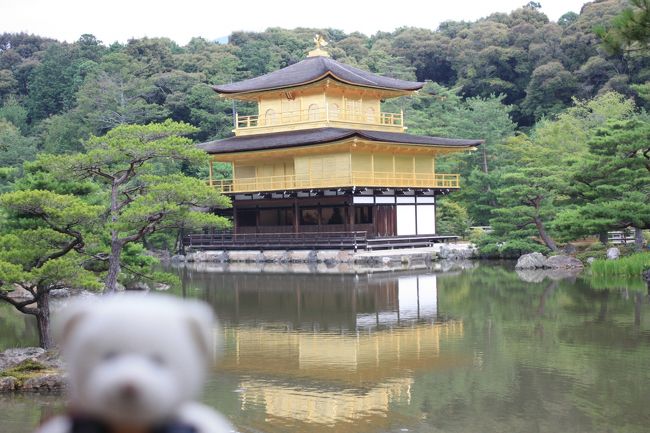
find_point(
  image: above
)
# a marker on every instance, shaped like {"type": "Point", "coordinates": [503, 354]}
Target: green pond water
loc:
{"type": "Point", "coordinates": [480, 349]}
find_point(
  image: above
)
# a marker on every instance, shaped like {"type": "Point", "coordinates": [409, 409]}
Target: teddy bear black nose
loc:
{"type": "Point", "coordinates": [128, 391]}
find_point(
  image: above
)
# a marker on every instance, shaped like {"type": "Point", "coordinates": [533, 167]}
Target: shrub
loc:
{"type": "Point", "coordinates": [596, 250]}
{"type": "Point", "coordinates": [493, 248]}
{"type": "Point", "coordinates": [599, 251]}
{"type": "Point", "coordinates": [452, 218]}
{"type": "Point", "coordinates": [514, 248]}
{"type": "Point", "coordinates": [489, 251]}
{"type": "Point", "coordinates": [597, 247]}
{"type": "Point", "coordinates": [476, 235]}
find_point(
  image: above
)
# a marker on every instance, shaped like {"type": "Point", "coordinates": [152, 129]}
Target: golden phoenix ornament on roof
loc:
{"type": "Point", "coordinates": [320, 41]}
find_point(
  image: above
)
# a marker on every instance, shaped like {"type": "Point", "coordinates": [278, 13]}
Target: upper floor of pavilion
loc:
{"type": "Point", "coordinates": [318, 92]}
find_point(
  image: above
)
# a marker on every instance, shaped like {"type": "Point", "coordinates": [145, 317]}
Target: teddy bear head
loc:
{"type": "Point", "coordinates": [133, 359]}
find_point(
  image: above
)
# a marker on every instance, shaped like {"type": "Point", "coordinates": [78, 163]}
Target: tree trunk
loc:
{"type": "Point", "coordinates": [179, 247]}
{"type": "Point", "coordinates": [602, 237]}
{"type": "Point", "coordinates": [113, 264]}
{"type": "Point", "coordinates": [486, 170]}
{"type": "Point", "coordinates": [638, 239]}
{"type": "Point", "coordinates": [43, 320]}
{"type": "Point", "coordinates": [116, 246]}
{"type": "Point", "coordinates": [548, 241]}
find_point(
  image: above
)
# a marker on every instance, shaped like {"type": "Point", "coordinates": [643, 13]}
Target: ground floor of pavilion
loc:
{"type": "Point", "coordinates": [344, 218]}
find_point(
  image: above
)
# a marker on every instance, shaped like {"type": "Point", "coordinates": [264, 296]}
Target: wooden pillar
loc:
{"type": "Point", "coordinates": [375, 220]}
{"type": "Point", "coordinates": [350, 220]}
{"type": "Point", "coordinates": [234, 217]}
{"type": "Point", "coordinates": [210, 168]}
{"type": "Point", "coordinates": [296, 217]}
{"type": "Point", "coordinates": [393, 230]}
{"type": "Point", "coordinates": [320, 218]}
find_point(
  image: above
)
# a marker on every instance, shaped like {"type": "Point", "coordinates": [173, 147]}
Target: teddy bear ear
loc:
{"type": "Point", "coordinates": [68, 321]}
{"type": "Point", "coordinates": [203, 327]}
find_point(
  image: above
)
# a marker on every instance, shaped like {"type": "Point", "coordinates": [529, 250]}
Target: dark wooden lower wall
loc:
{"type": "Point", "coordinates": [312, 215]}
{"type": "Point", "coordinates": [385, 220]}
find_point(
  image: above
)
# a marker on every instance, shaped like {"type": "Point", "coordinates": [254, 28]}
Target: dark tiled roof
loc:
{"type": "Point", "coordinates": [312, 69]}
{"type": "Point", "coordinates": [279, 140]}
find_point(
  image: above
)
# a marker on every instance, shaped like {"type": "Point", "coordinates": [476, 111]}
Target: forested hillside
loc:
{"type": "Point", "coordinates": [537, 91]}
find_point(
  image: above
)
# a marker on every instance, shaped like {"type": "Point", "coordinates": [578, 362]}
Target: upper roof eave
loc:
{"type": "Point", "coordinates": [311, 70]}
{"type": "Point", "coordinates": [252, 93]}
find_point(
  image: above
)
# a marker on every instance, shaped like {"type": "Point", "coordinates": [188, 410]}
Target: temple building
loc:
{"type": "Point", "coordinates": [320, 155]}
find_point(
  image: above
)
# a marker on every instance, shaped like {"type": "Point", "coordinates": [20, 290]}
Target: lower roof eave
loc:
{"type": "Point", "coordinates": [328, 135]}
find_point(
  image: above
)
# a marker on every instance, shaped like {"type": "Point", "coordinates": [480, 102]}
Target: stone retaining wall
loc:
{"type": "Point", "coordinates": [328, 260]}
{"type": "Point", "coordinates": [443, 251]}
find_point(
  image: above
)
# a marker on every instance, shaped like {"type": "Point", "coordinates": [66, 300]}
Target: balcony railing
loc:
{"type": "Point", "coordinates": [338, 180]}
{"type": "Point", "coordinates": [320, 114]}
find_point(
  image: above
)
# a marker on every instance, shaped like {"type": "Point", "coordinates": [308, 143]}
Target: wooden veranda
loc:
{"type": "Point", "coordinates": [354, 240]}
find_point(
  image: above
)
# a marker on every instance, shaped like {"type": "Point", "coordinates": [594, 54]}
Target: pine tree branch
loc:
{"type": "Point", "coordinates": [19, 305]}
{"type": "Point", "coordinates": [146, 229]}
{"type": "Point", "coordinates": [76, 243]}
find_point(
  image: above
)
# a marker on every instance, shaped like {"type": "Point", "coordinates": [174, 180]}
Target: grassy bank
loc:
{"type": "Point", "coordinates": [631, 266]}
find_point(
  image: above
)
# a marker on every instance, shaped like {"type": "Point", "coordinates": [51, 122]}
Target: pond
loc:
{"type": "Point", "coordinates": [479, 349]}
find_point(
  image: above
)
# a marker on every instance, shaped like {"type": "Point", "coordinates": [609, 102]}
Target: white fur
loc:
{"type": "Point", "coordinates": [60, 424]}
{"type": "Point", "coordinates": [204, 418]}
{"type": "Point", "coordinates": [136, 360]}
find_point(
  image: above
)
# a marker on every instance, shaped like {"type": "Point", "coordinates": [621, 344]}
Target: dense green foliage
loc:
{"type": "Point", "coordinates": [136, 166]}
{"type": "Point", "coordinates": [582, 173]}
{"type": "Point", "coordinates": [60, 93]}
{"type": "Point", "coordinates": [452, 218]}
{"type": "Point", "coordinates": [561, 113]}
{"type": "Point", "coordinates": [612, 183]}
{"type": "Point", "coordinates": [127, 184]}
{"type": "Point", "coordinates": [42, 248]}
{"type": "Point", "coordinates": [629, 30]}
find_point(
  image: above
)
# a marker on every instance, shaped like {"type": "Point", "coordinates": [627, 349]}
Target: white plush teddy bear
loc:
{"type": "Point", "coordinates": [135, 362]}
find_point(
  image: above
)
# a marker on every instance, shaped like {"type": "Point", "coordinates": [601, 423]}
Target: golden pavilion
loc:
{"type": "Point", "coordinates": [321, 157]}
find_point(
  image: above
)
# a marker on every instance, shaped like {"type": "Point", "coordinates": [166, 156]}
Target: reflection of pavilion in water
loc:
{"type": "Point", "coordinates": [325, 379]}
{"type": "Point", "coordinates": [330, 351]}
{"type": "Point", "coordinates": [316, 408]}
{"type": "Point", "coordinates": [322, 302]}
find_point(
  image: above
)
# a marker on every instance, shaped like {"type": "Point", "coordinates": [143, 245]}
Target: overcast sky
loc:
{"type": "Point", "coordinates": [180, 20]}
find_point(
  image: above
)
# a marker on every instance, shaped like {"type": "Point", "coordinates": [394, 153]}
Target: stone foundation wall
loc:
{"type": "Point", "coordinates": [410, 258]}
